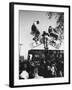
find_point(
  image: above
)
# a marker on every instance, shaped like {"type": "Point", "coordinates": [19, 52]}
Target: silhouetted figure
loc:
{"type": "Point", "coordinates": [34, 29]}
{"type": "Point", "coordinates": [51, 33]}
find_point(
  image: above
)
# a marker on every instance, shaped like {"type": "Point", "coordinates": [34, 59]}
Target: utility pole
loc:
{"type": "Point", "coordinates": [45, 42]}
{"type": "Point", "coordinates": [20, 49]}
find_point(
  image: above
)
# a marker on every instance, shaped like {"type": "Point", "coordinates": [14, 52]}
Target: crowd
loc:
{"type": "Point", "coordinates": [42, 65]}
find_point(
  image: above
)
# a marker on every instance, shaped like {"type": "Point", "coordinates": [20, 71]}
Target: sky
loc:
{"type": "Point", "coordinates": [26, 19]}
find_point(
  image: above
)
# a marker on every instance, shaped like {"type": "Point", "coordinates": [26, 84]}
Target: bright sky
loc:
{"type": "Point", "coordinates": [26, 19]}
